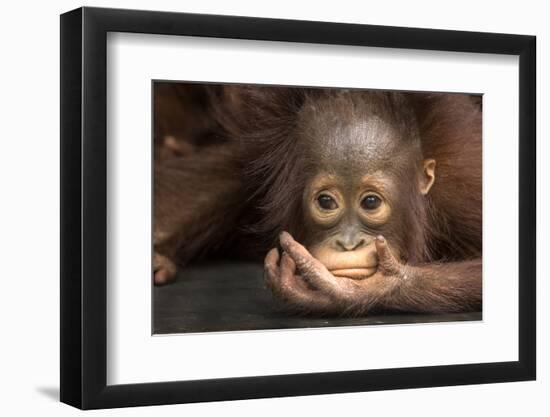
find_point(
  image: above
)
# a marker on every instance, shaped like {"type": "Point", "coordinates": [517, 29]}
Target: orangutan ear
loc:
{"type": "Point", "coordinates": [428, 176]}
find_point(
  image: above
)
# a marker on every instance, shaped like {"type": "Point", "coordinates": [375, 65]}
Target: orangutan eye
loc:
{"type": "Point", "coordinates": [371, 202]}
{"type": "Point", "coordinates": [326, 202]}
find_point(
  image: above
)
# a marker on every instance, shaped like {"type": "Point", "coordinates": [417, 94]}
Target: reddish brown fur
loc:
{"type": "Point", "coordinates": [451, 128]}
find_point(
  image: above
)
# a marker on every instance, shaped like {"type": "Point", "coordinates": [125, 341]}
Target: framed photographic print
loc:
{"type": "Point", "coordinates": [257, 207]}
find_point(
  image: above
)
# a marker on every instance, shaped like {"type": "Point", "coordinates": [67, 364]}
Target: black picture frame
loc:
{"type": "Point", "coordinates": [84, 207]}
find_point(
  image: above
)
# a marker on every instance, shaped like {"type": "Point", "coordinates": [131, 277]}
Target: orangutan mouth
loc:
{"type": "Point", "coordinates": [354, 273]}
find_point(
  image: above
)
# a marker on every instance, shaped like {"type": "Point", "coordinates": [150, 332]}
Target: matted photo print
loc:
{"type": "Point", "coordinates": [227, 229]}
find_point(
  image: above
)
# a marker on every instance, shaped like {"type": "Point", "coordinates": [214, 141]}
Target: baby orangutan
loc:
{"type": "Point", "coordinates": [355, 177]}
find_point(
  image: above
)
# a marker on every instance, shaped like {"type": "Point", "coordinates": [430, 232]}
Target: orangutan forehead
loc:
{"type": "Point", "coordinates": [366, 144]}
{"type": "Point", "coordinates": [368, 135]}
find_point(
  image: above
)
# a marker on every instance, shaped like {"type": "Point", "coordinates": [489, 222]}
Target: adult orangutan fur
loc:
{"type": "Point", "coordinates": [383, 190]}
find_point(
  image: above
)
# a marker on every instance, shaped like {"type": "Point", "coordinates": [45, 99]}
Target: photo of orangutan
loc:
{"type": "Point", "coordinates": [290, 207]}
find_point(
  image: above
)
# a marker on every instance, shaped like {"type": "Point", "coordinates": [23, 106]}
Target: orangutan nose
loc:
{"type": "Point", "coordinates": [349, 244]}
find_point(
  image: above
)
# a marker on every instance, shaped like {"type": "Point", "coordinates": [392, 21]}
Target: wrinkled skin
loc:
{"type": "Point", "coordinates": [302, 282]}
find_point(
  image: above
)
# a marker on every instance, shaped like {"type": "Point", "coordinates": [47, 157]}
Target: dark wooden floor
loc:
{"type": "Point", "coordinates": [231, 296]}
